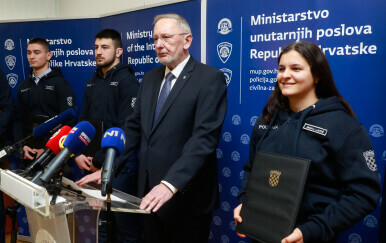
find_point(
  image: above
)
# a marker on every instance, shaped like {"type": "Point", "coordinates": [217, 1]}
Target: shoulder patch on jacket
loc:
{"type": "Point", "coordinates": [315, 129]}
{"type": "Point", "coordinates": [69, 101]}
{"type": "Point", "coordinates": [133, 100]}
{"type": "Point", "coordinates": [370, 160]}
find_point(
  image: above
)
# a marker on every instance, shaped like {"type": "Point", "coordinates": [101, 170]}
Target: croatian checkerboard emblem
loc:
{"type": "Point", "coordinates": [10, 60]}
{"type": "Point", "coordinates": [224, 50]}
{"type": "Point", "coordinates": [274, 176]}
{"type": "Point", "coordinates": [370, 160]}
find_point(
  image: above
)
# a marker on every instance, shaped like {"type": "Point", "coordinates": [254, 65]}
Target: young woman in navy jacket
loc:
{"type": "Point", "coordinates": [307, 117]}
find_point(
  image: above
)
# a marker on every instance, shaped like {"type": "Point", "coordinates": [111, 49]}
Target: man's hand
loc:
{"type": "Point", "coordinates": [96, 176]}
{"type": "Point", "coordinates": [238, 219]}
{"type": "Point", "coordinates": [27, 153]}
{"type": "Point", "coordinates": [83, 162]}
{"type": "Point", "coordinates": [295, 237]}
{"type": "Point", "coordinates": [159, 195]}
{"type": "Point", "coordinates": [92, 167]}
{"type": "Point", "coordinates": [38, 152]}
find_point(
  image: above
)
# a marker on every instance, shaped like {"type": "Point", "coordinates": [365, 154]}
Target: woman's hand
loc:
{"type": "Point", "coordinates": [295, 237]}
{"type": "Point", "coordinates": [238, 219]}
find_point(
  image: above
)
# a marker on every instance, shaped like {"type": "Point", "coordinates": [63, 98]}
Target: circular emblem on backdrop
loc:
{"type": "Point", "coordinates": [219, 153]}
{"type": "Point", "coordinates": [9, 45]}
{"type": "Point", "coordinates": [244, 139]}
{"type": "Point", "coordinates": [224, 51]}
{"type": "Point", "coordinates": [42, 236]}
{"type": "Point", "coordinates": [228, 75]}
{"type": "Point", "coordinates": [235, 156]}
{"type": "Point", "coordinates": [236, 120]}
{"type": "Point", "coordinates": [354, 238]}
{"type": "Point", "coordinates": [217, 220]}
{"type": "Point", "coordinates": [234, 191]}
{"type": "Point", "coordinates": [219, 187]}
{"type": "Point", "coordinates": [224, 26]}
{"type": "Point", "coordinates": [224, 239]}
{"type": "Point", "coordinates": [253, 120]}
{"type": "Point", "coordinates": [232, 225]}
{"type": "Point", "coordinates": [210, 235]}
{"type": "Point", "coordinates": [225, 206]}
{"type": "Point", "coordinates": [376, 131]}
{"type": "Point", "coordinates": [227, 137]}
{"type": "Point", "coordinates": [12, 79]}
{"type": "Point", "coordinates": [384, 155]}
{"type": "Point", "coordinates": [370, 221]}
{"type": "Point", "coordinates": [226, 172]}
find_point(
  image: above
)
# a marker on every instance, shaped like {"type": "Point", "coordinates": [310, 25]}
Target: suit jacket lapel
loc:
{"type": "Point", "coordinates": [180, 83]}
{"type": "Point", "coordinates": [155, 87]}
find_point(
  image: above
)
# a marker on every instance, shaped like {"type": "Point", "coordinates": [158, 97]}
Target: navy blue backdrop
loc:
{"type": "Point", "coordinates": [243, 40]}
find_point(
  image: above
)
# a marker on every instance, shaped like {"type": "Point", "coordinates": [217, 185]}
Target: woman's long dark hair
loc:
{"type": "Point", "coordinates": [319, 69]}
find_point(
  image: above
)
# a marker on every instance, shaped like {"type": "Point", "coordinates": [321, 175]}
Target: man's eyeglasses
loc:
{"type": "Point", "coordinates": [165, 38]}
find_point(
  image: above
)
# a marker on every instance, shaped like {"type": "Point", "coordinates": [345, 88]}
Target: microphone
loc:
{"type": "Point", "coordinates": [76, 141]}
{"type": "Point", "coordinates": [52, 149]}
{"type": "Point", "coordinates": [40, 131]}
{"type": "Point", "coordinates": [54, 123]}
{"type": "Point", "coordinates": [113, 142]}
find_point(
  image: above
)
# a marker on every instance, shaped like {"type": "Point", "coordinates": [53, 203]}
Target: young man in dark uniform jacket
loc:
{"type": "Point", "coordinates": [109, 98]}
{"type": "Point", "coordinates": [45, 93]}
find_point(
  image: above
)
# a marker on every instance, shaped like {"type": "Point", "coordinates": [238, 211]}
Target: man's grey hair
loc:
{"type": "Point", "coordinates": [181, 21]}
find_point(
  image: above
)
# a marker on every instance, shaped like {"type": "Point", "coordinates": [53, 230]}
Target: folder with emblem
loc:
{"type": "Point", "coordinates": [273, 196]}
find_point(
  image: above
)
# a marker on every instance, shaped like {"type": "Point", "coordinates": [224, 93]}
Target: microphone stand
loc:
{"type": "Point", "coordinates": [108, 218]}
{"type": "Point", "coordinates": [55, 186]}
{"type": "Point", "coordinates": [11, 212]}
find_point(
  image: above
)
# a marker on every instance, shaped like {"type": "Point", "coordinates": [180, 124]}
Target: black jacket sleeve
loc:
{"type": "Point", "coordinates": [65, 96]}
{"type": "Point", "coordinates": [359, 178]}
{"type": "Point", "coordinates": [248, 165]}
{"type": "Point", "coordinates": [6, 103]}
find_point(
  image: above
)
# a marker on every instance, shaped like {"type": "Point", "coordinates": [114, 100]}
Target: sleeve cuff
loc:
{"type": "Point", "coordinates": [170, 186]}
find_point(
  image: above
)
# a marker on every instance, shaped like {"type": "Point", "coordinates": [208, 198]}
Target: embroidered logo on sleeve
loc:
{"type": "Point", "coordinates": [315, 129]}
{"type": "Point", "coordinates": [69, 101]}
{"type": "Point", "coordinates": [370, 160]}
{"type": "Point", "coordinates": [133, 100]}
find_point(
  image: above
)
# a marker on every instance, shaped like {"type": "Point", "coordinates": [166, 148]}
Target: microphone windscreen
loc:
{"type": "Point", "coordinates": [114, 138]}
{"type": "Point", "coordinates": [54, 142]}
{"type": "Point", "coordinates": [46, 127]}
{"type": "Point", "coordinates": [79, 137]}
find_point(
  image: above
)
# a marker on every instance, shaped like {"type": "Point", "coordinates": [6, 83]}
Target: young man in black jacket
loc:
{"type": "Point", "coordinates": [109, 98]}
{"type": "Point", "coordinates": [45, 93]}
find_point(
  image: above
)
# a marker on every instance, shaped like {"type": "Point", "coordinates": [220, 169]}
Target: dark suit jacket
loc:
{"type": "Point", "coordinates": [180, 147]}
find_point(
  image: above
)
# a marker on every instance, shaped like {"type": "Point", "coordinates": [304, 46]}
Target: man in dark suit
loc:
{"type": "Point", "coordinates": [178, 167]}
{"type": "Point", "coordinates": [177, 139]}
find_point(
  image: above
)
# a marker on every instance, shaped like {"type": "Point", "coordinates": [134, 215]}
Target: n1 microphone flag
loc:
{"type": "Point", "coordinates": [113, 143]}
